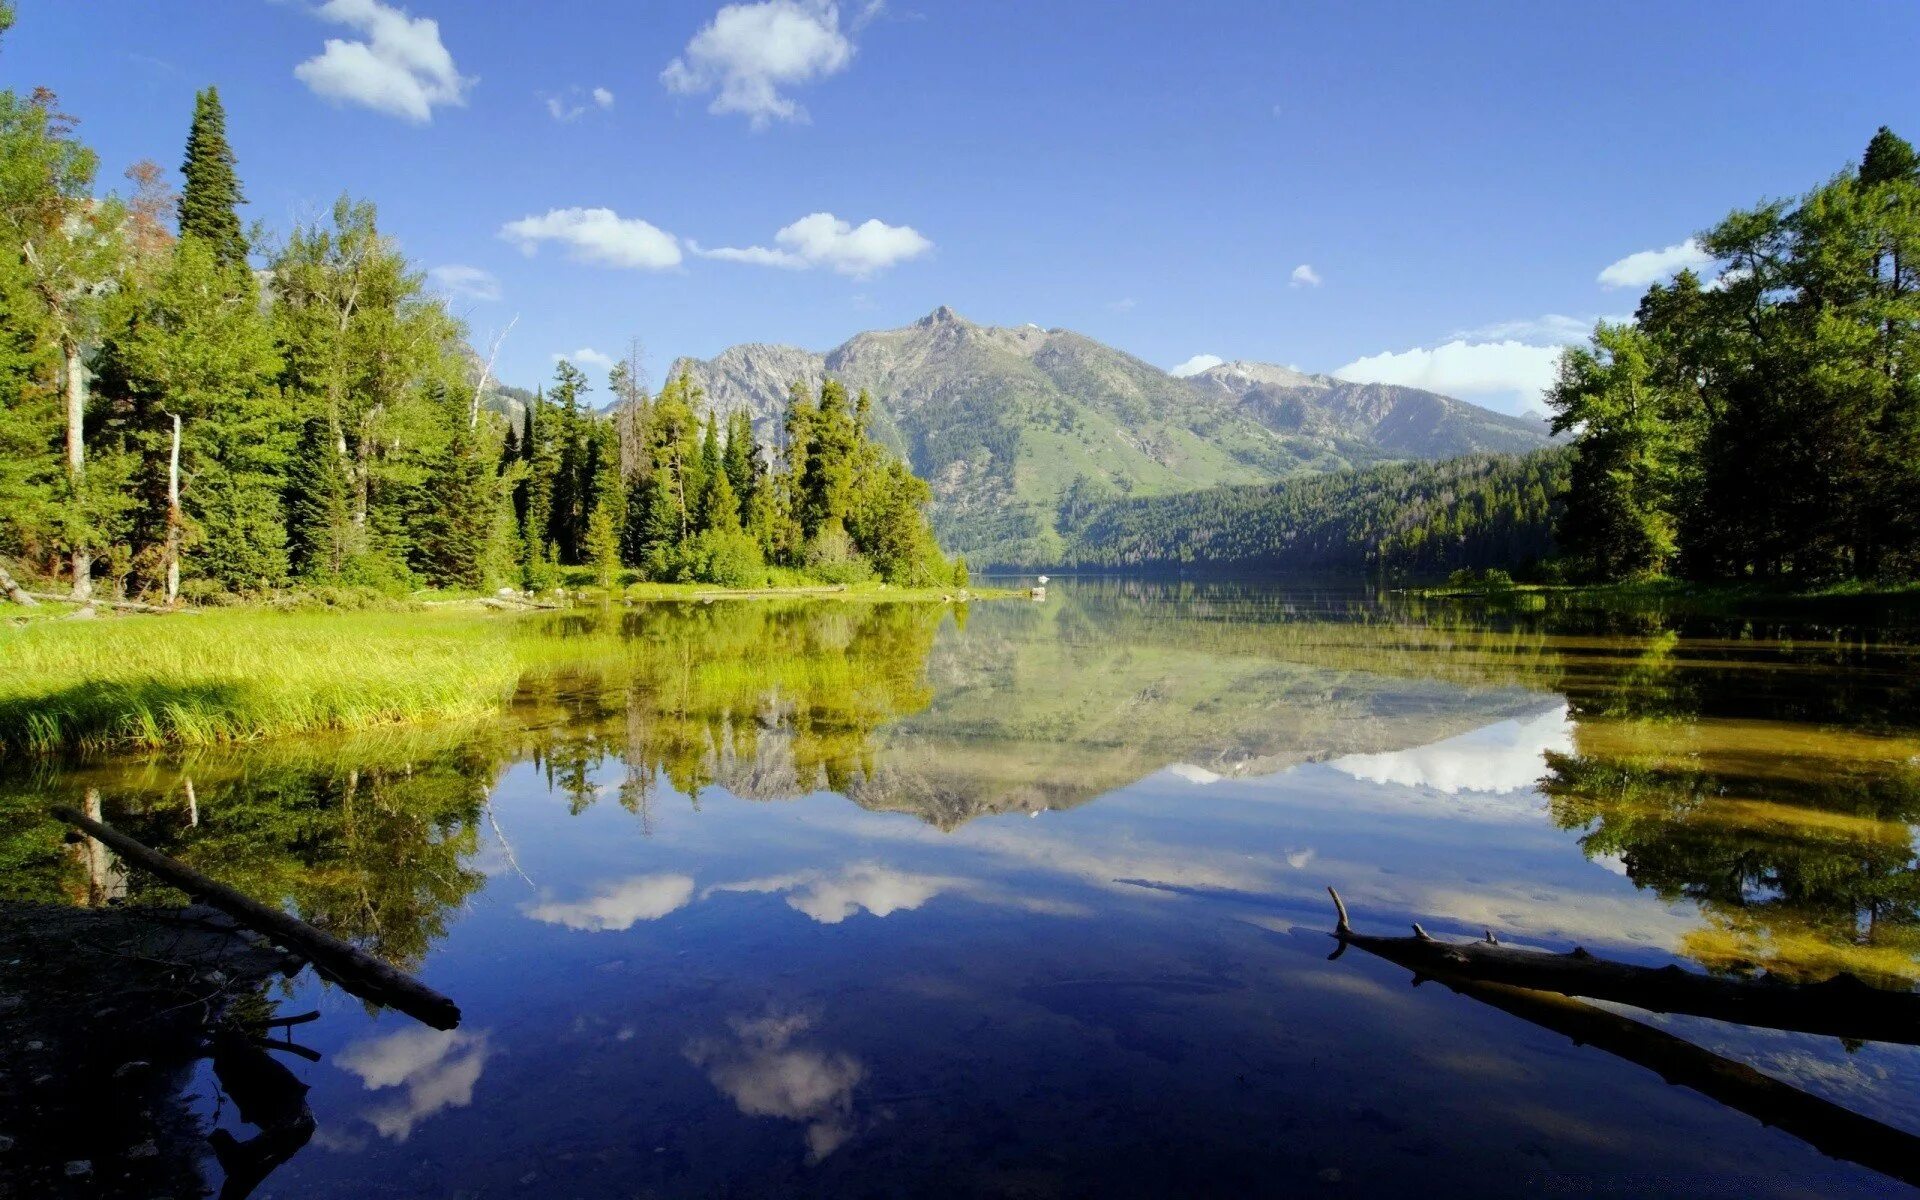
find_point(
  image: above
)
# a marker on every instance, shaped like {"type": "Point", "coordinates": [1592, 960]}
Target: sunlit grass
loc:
{"type": "Point", "coordinates": [214, 678]}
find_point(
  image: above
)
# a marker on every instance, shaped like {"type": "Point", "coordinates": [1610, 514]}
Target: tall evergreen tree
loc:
{"type": "Point", "coordinates": [210, 201]}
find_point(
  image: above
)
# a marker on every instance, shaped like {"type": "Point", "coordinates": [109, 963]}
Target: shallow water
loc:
{"type": "Point", "coordinates": [849, 900]}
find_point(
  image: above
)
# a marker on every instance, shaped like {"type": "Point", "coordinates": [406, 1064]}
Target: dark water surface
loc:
{"type": "Point", "coordinates": [852, 900]}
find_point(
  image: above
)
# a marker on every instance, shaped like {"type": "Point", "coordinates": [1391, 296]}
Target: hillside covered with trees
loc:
{"type": "Point", "coordinates": [1764, 423]}
{"type": "Point", "coordinates": [1415, 520]}
{"type": "Point", "coordinates": [190, 409]}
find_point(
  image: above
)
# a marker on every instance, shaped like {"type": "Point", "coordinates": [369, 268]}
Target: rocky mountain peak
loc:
{"type": "Point", "coordinates": [943, 315]}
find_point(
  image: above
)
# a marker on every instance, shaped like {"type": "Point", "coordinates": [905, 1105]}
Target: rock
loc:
{"type": "Point", "coordinates": [1329, 1175]}
{"type": "Point", "coordinates": [127, 1068]}
{"type": "Point", "coordinates": [79, 1167]}
{"type": "Point", "coordinates": [146, 1149]}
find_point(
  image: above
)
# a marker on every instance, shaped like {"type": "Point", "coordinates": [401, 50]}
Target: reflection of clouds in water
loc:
{"type": "Point", "coordinates": [1194, 774]}
{"type": "Point", "coordinates": [1560, 914]}
{"type": "Point", "coordinates": [1507, 756]}
{"type": "Point", "coordinates": [830, 897]}
{"type": "Point", "coordinates": [437, 1068]}
{"type": "Point", "coordinates": [619, 905]}
{"type": "Point", "coordinates": [765, 1075]}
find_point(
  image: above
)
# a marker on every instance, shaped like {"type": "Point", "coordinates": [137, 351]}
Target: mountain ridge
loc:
{"type": "Point", "coordinates": [1011, 423]}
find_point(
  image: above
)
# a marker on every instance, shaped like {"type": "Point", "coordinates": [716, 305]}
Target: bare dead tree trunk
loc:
{"type": "Point", "coordinates": [480, 388]}
{"type": "Point", "coordinates": [77, 464]}
{"type": "Point", "coordinates": [173, 516]}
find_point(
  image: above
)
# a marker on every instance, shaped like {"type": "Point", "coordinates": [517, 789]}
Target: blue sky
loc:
{"type": "Point", "coordinates": [1456, 178]}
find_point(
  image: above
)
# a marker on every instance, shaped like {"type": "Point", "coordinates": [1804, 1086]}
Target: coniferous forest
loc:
{"type": "Point", "coordinates": [190, 408]}
{"type": "Point", "coordinates": [1764, 423]}
{"type": "Point", "coordinates": [1402, 520]}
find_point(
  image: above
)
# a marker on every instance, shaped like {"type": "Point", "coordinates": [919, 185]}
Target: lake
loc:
{"type": "Point", "coordinates": [1024, 899]}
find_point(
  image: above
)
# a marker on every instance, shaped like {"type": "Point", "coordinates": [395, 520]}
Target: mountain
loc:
{"type": "Point", "coordinates": [1013, 425]}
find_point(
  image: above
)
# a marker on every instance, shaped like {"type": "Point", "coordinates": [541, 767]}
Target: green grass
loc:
{"type": "Point", "coordinates": [225, 676]}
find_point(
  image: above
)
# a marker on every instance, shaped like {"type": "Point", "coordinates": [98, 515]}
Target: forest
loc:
{"type": "Point", "coordinates": [1402, 520]}
{"type": "Point", "coordinates": [191, 410]}
{"type": "Point", "coordinates": [1763, 423]}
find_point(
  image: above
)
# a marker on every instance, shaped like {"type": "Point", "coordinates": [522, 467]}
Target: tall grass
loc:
{"type": "Point", "coordinates": [218, 677]}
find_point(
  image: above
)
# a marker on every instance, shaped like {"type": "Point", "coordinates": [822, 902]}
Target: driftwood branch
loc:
{"type": "Point", "coordinates": [1841, 1007]}
{"type": "Point", "coordinates": [353, 968]}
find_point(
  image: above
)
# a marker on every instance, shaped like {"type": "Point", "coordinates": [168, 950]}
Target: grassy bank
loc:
{"type": "Point", "coordinates": [224, 676]}
{"type": "Point", "coordinates": [213, 676]}
{"type": "Point", "coordinates": [1680, 593]}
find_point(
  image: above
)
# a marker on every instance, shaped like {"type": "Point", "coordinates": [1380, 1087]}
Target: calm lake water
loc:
{"type": "Point", "coordinates": [753, 899]}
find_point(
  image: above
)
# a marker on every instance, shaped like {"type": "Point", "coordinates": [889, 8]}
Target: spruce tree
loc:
{"type": "Point", "coordinates": [209, 203]}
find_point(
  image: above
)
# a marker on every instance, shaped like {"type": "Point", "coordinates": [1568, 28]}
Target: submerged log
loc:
{"type": "Point", "coordinates": [1842, 1007]}
{"type": "Point", "coordinates": [348, 965]}
{"type": "Point", "coordinates": [1829, 1128]}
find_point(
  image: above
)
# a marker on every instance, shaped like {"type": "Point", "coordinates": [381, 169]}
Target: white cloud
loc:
{"type": "Point", "coordinates": [1463, 368]}
{"type": "Point", "coordinates": [1651, 266]}
{"type": "Point", "coordinates": [1124, 304]}
{"type": "Point", "coordinates": [1195, 365]}
{"type": "Point", "coordinates": [598, 235]}
{"type": "Point", "coordinates": [1304, 276]}
{"type": "Point", "coordinates": [1552, 328]}
{"type": "Point", "coordinates": [824, 240]}
{"type": "Point", "coordinates": [456, 279]}
{"type": "Point", "coordinates": [749, 52]}
{"type": "Point", "coordinates": [619, 905]}
{"type": "Point", "coordinates": [437, 1068]}
{"type": "Point", "coordinates": [587, 356]}
{"type": "Point", "coordinates": [401, 68]}
{"type": "Point", "coordinates": [571, 105]}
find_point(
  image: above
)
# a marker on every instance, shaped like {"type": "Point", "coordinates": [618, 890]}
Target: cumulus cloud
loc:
{"type": "Point", "coordinates": [1195, 365]}
{"type": "Point", "coordinates": [401, 67]}
{"type": "Point", "coordinates": [1652, 266]}
{"type": "Point", "coordinates": [1304, 276]}
{"type": "Point", "coordinates": [1463, 368]}
{"type": "Point", "coordinates": [766, 1075]}
{"type": "Point", "coordinates": [457, 279]}
{"type": "Point", "coordinates": [603, 97]}
{"type": "Point", "coordinates": [598, 235]}
{"type": "Point", "coordinates": [436, 1070]}
{"type": "Point", "coordinates": [748, 53]}
{"type": "Point", "coordinates": [587, 356]}
{"type": "Point", "coordinates": [824, 240]}
{"type": "Point", "coordinates": [619, 905]}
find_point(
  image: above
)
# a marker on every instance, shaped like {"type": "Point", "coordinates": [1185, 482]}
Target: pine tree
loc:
{"type": "Point", "coordinates": [321, 532]}
{"type": "Point", "coordinates": [209, 203]}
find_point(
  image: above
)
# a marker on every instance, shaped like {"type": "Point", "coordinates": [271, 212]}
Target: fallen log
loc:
{"type": "Point", "coordinates": [102, 601]}
{"type": "Point", "coordinates": [1843, 1007]}
{"type": "Point", "coordinates": [14, 592]}
{"type": "Point", "coordinates": [1828, 1127]}
{"type": "Point", "coordinates": [351, 967]}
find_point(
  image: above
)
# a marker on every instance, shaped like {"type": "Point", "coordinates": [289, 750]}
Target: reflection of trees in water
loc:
{"type": "Point", "coordinates": [365, 838]}
{"type": "Point", "coordinates": [773, 700]}
{"type": "Point", "coordinates": [1794, 834]}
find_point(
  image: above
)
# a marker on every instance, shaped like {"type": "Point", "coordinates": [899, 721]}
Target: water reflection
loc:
{"type": "Point", "coordinates": [761, 1069]}
{"type": "Point", "coordinates": [687, 783]}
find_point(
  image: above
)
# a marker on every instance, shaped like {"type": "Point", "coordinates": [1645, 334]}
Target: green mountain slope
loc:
{"type": "Point", "coordinates": [1013, 426]}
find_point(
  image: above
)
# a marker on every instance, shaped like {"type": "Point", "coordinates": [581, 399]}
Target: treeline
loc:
{"type": "Point", "coordinates": [175, 420]}
{"type": "Point", "coordinates": [1400, 520]}
{"type": "Point", "coordinates": [652, 487]}
{"type": "Point", "coordinates": [1765, 424]}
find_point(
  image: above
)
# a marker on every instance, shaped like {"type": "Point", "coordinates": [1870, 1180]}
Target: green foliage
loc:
{"type": "Point", "coordinates": [209, 203]}
{"type": "Point", "coordinates": [1768, 425]}
{"type": "Point", "coordinates": [1408, 519]}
